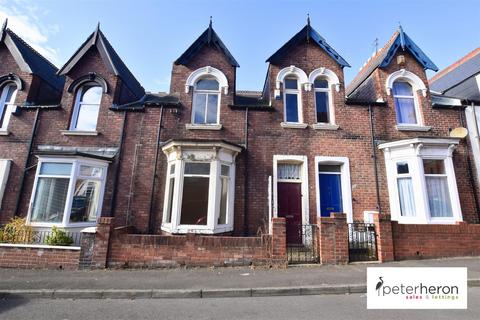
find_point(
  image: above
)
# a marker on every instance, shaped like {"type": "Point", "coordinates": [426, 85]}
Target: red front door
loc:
{"type": "Point", "coordinates": [290, 207]}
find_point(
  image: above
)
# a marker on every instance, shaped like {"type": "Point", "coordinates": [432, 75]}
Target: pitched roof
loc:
{"type": "Point", "coordinates": [210, 38]}
{"type": "Point", "coordinates": [308, 34]}
{"type": "Point", "coordinates": [29, 60]}
{"type": "Point", "coordinates": [459, 71]}
{"type": "Point", "coordinates": [399, 40]}
{"type": "Point", "coordinates": [111, 59]}
{"type": "Point", "coordinates": [150, 99]}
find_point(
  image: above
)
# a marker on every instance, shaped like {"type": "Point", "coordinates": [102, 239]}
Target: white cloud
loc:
{"type": "Point", "coordinates": [25, 19]}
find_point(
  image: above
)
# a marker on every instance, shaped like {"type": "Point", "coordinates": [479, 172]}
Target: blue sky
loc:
{"type": "Point", "coordinates": [149, 35]}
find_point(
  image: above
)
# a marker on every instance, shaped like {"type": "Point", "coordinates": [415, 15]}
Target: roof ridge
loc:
{"type": "Point", "coordinates": [8, 30]}
{"type": "Point", "coordinates": [374, 57]}
{"type": "Point", "coordinates": [455, 65]}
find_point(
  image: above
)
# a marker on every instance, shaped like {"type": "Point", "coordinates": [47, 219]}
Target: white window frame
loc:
{"type": "Point", "coordinates": [345, 178]}
{"type": "Point", "coordinates": [416, 105]}
{"type": "Point", "coordinates": [7, 106]}
{"type": "Point", "coordinates": [400, 176]}
{"type": "Point", "coordinates": [328, 90]}
{"type": "Point", "coordinates": [296, 159]}
{"type": "Point", "coordinates": [414, 151]}
{"type": "Point", "coordinates": [78, 105]}
{"type": "Point", "coordinates": [74, 176]}
{"type": "Point", "coordinates": [207, 93]}
{"type": "Point", "coordinates": [4, 172]}
{"type": "Point", "coordinates": [299, 101]}
{"type": "Point", "coordinates": [217, 154]}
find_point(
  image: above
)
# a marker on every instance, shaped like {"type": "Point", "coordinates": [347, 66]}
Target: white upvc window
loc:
{"type": "Point", "coordinates": [4, 171]}
{"type": "Point", "coordinates": [200, 187]}
{"type": "Point", "coordinates": [292, 100]}
{"type": "Point", "coordinates": [67, 192]}
{"type": "Point", "coordinates": [87, 107]}
{"type": "Point", "coordinates": [206, 102]}
{"type": "Point", "coordinates": [7, 104]}
{"type": "Point", "coordinates": [421, 180]}
{"type": "Point", "coordinates": [406, 104]}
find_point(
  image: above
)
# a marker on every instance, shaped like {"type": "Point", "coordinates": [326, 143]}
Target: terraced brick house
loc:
{"type": "Point", "coordinates": [308, 169]}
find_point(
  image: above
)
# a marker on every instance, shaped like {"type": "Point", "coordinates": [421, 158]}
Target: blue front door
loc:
{"type": "Point", "coordinates": [330, 194]}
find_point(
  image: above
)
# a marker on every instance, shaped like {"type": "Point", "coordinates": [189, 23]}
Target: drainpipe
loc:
{"type": "Point", "coordinates": [26, 168]}
{"type": "Point", "coordinates": [117, 168]}
{"type": "Point", "coordinates": [245, 187]}
{"type": "Point", "coordinates": [469, 163]}
{"type": "Point", "coordinates": [374, 156]}
{"type": "Point", "coordinates": [152, 221]}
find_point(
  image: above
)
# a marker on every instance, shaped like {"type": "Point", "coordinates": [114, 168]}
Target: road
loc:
{"type": "Point", "coordinates": [299, 307]}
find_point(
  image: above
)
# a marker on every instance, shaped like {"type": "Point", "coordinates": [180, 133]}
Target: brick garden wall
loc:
{"type": "Point", "coordinates": [39, 257]}
{"type": "Point", "coordinates": [435, 241]}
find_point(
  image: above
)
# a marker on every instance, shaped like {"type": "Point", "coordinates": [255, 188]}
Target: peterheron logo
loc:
{"type": "Point", "coordinates": [417, 288]}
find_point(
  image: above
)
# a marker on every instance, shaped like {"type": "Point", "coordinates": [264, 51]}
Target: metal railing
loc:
{"type": "Point", "coordinates": [362, 242]}
{"type": "Point", "coordinates": [41, 237]}
{"type": "Point", "coordinates": [302, 244]}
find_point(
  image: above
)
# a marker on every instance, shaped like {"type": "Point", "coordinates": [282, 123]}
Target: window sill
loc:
{"type": "Point", "coordinates": [184, 229]}
{"type": "Point", "coordinates": [421, 220]}
{"type": "Point", "coordinates": [293, 125]}
{"type": "Point", "coordinates": [191, 126]}
{"type": "Point", "coordinates": [4, 132]}
{"type": "Point", "coordinates": [403, 127]}
{"type": "Point", "coordinates": [325, 126]}
{"type": "Point", "coordinates": [78, 133]}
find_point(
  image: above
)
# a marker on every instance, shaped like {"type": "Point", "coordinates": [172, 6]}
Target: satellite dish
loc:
{"type": "Point", "coordinates": [459, 132]}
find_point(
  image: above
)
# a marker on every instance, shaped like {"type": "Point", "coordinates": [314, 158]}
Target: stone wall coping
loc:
{"type": "Point", "coordinates": [39, 246]}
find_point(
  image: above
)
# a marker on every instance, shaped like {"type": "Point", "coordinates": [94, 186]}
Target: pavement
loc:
{"type": "Point", "coordinates": [206, 282]}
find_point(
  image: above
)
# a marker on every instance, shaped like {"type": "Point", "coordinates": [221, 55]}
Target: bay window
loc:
{"type": "Point", "coordinates": [67, 192]}
{"type": "Point", "coordinates": [421, 180]}
{"type": "Point", "coordinates": [200, 186]}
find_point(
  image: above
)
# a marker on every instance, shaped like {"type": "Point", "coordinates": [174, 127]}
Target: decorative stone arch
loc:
{"type": "Point", "coordinates": [207, 71]}
{"type": "Point", "coordinates": [91, 77]}
{"type": "Point", "coordinates": [331, 77]}
{"type": "Point", "coordinates": [407, 76]}
{"type": "Point", "coordinates": [297, 72]}
{"type": "Point", "coordinates": [11, 78]}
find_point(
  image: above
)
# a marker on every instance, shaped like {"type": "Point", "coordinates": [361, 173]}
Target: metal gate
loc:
{"type": "Point", "coordinates": [362, 242]}
{"type": "Point", "coordinates": [306, 249]}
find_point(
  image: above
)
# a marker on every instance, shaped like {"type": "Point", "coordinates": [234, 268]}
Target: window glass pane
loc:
{"type": "Point", "coordinates": [91, 94]}
{"type": "Point", "coordinates": [56, 169]}
{"type": "Point", "coordinates": [212, 108]}
{"type": "Point", "coordinates": [199, 101]}
{"type": "Point", "coordinates": [90, 171]}
{"type": "Point", "coordinates": [405, 108]}
{"type": "Point", "coordinates": [402, 168]}
{"type": "Point", "coordinates": [11, 93]}
{"type": "Point", "coordinates": [438, 197]}
{"type": "Point", "coordinates": [207, 84]}
{"type": "Point", "coordinates": [321, 83]}
{"type": "Point", "coordinates": [321, 102]}
{"type": "Point", "coordinates": [225, 171]}
{"type": "Point", "coordinates": [406, 197]}
{"type": "Point", "coordinates": [5, 114]}
{"type": "Point", "coordinates": [197, 168]}
{"type": "Point", "coordinates": [172, 169]}
{"type": "Point", "coordinates": [171, 185]}
{"type": "Point", "coordinates": [329, 168]}
{"type": "Point", "coordinates": [291, 83]}
{"type": "Point", "coordinates": [87, 117]}
{"type": "Point", "coordinates": [291, 107]}
{"type": "Point", "coordinates": [85, 201]}
{"type": "Point", "coordinates": [222, 217]}
{"type": "Point", "coordinates": [433, 166]}
{"type": "Point", "coordinates": [195, 201]}
{"type": "Point", "coordinates": [402, 89]}
{"type": "Point", "coordinates": [290, 171]}
{"type": "Point", "coordinates": [50, 198]}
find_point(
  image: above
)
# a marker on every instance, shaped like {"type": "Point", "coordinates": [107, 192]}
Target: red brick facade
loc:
{"type": "Point", "coordinates": [133, 210]}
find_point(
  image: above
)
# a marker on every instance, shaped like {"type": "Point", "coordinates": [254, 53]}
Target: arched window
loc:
{"type": "Point", "coordinates": [405, 103]}
{"type": "Point", "coordinates": [206, 101]}
{"type": "Point", "coordinates": [87, 106]}
{"type": "Point", "coordinates": [291, 100]}
{"type": "Point", "coordinates": [322, 100]}
{"type": "Point", "coordinates": [7, 100]}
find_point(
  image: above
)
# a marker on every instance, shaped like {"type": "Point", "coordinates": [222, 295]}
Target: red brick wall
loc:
{"type": "Point", "coordinates": [41, 258]}
{"type": "Point", "coordinates": [333, 239]}
{"type": "Point", "coordinates": [435, 241]}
